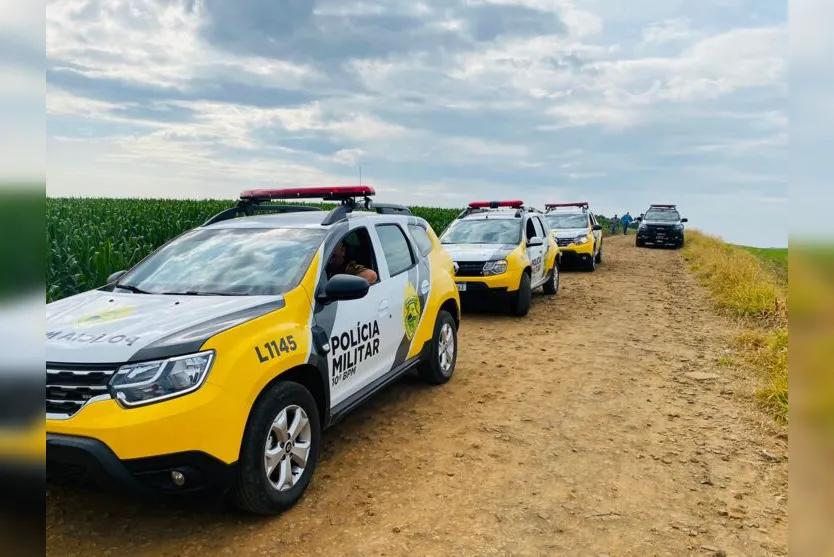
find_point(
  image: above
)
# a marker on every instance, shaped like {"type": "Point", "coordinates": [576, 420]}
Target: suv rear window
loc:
{"type": "Point", "coordinates": [421, 238]}
{"type": "Point", "coordinates": [396, 248]}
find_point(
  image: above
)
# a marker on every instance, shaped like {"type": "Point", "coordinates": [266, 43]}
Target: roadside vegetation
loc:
{"type": "Point", "coordinates": [748, 286]}
{"type": "Point", "coordinates": [776, 258]}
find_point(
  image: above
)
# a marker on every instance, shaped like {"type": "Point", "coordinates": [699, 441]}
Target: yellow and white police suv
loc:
{"type": "Point", "coordinates": [217, 361]}
{"type": "Point", "coordinates": [502, 250]}
{"type": "Point", "coordinates": [577, 232]}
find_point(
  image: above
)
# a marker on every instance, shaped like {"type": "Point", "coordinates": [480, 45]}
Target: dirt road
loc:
{"type": "Point", "coordinates": [605, 423]}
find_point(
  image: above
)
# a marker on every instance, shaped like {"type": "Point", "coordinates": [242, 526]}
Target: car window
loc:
{"type": "Point", "coordinates": [566, 220]}
{"type": "Point", "coordinates": [544, 225]}
{"type": "Point", "coordinates": [483, 231]}
{"type": "Point", "coordinates": [662, 216]}
{"type": "Point", "coordinates": [421, 238]}
{"type": "Point", "coordinates": [539, 229]}
{"type": "Point", "coordinates": [395, 247]}
{"type": "Point", "coordinates": [232, 261]}
{"type": "Point", "coordinates": [531, 228]}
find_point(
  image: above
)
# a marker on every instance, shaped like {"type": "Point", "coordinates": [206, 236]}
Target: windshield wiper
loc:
{"type": "Point", "coordinates": [202, 293]}
{"type": "Point", "coordinates": [132, 288]}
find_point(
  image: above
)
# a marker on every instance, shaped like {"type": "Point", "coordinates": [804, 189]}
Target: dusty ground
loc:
{"type": "Point", "coordinates": [574, 431]}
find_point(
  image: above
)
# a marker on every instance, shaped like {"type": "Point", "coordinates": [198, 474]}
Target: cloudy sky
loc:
{"type": "Point", "coordinates": [620, 103]}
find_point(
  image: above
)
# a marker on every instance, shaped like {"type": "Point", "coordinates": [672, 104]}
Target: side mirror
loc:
{"type": "Point", "coordinates": [535, 241]}
{"type": "Point", "coordinates": [345, 287]}
{"type": "Point", "coordinates": [597, 227]}
{"type": "Point", "coordinates": [115, 276]}
{"type": "Point", "coordinates": [684, 220]}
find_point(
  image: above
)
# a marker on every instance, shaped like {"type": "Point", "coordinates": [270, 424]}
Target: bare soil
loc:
{"type": "Point", "coordinates": [609, 421]}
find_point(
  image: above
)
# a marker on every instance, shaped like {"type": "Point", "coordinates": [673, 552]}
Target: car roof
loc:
{"type": "Point", "coordinates": [305, 219]}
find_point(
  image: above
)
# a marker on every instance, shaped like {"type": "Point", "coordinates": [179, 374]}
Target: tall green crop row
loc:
{"type": "Point", "coordinates": [87, 239]}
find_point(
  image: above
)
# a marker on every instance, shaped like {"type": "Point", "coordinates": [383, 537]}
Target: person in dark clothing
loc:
{"type": "Point", "coordinates": [615, 224]}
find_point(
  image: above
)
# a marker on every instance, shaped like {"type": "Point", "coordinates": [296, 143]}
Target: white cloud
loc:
{"type": "Point", "coordinates": [152, 44]}
{"type": "Point", "coordinates": [607, 101]}
{"type": "Point", "coordinates": [669, 31]}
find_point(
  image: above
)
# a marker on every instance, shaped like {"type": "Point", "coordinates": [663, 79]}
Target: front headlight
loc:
{"type": "Point", "coordinates": [147, 382]}
{"type": "Point", "coordinates": [641, 226]}
{"type": "Point", "coordinates": [495, 267]}
{"type": "Point", "coordinates": [581, 239]}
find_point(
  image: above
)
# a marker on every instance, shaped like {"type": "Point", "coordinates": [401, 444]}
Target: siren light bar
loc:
{"type": "Point", "coordinates": [514, 203]}
{"type": "Point", "coordinates": [318, 192]}
{"type": "Point", "coordinates": [583, 204]}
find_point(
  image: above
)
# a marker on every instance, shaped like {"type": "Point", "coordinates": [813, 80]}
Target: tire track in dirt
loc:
{"type": "Point", "coordinates": [573, 431]}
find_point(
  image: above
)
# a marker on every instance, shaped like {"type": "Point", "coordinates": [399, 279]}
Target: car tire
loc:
{"type": "Point", "coordinates": [255, 491]}
{"type": "Point", "coordinates": [639, 243]}
{"type": "Point", "coordinates": [599, 256]}
{"type": "Point", "coordinates": [522, 298]}
{"type": "Point", "coordinates": [443, 351]}
{"type": "Point", "coordinates": [591, 265]}
{"type": "Point", "coordinates": [551, 287]}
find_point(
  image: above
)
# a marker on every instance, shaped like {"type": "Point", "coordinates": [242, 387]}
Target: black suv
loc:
{"type": "Point", "coordinates": [661, 225]}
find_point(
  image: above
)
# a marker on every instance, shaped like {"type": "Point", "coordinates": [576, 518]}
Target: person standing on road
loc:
{"type": "Point", "coordinates": [626, 220]}
{"type": "Point", "coordinates": [615, 224]}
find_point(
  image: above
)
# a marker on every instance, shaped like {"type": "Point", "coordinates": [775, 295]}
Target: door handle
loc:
{"type": "Point", "coordinates": [424, 286]}
{"type": "Point", "coordinates": [383, 307]}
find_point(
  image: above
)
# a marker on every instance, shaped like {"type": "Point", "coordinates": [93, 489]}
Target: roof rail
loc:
{"type": "Point", "coordinates": [662, 206]}
{"type": "Point", "coordinates": [391, 209]}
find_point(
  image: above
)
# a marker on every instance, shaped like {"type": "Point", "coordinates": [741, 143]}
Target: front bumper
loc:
{"type": "Point", "coordinates": [576, 250]}
{"type": "Point", "coordinates": [569, 255]}
{"type": "Point", "coordinates": [469, 286]}
{"type": "Point", "coordinates": [71, 456]}
{"type": "Point", "coordinates": [666, 237]}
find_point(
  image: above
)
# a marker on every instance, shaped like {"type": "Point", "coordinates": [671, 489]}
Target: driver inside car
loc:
{"type": "Point", "coordinates": [339, 264]}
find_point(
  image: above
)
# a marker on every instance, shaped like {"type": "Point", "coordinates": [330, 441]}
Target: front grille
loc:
{"type": "Point", "coordinates": [471, 268]}
{"type": "Point", "coordinates": [70, 387]}
{"type": "Point", "coordinates": [564, 242]}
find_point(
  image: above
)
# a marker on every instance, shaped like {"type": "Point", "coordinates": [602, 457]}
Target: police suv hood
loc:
{"type": "Point", "coordinates": [463, 253]}
{"type": "Point", "coordinates": [110, 327]}
{"type": "Point", "coordinates": [569, 232]}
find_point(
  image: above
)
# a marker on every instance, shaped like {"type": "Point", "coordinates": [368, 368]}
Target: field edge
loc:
{"type": "Point", "coordinates": [748, 288]}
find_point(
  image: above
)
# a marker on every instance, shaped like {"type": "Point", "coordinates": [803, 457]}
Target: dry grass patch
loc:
{"type": "Point", "coordinates": [746, 288]}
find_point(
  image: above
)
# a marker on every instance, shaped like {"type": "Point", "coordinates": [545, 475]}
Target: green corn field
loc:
{"type": "Point", "coordinates": [87, 239]}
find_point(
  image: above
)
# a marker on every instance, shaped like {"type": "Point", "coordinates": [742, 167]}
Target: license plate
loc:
{"type": "Point", "coordinates": [461, 286]}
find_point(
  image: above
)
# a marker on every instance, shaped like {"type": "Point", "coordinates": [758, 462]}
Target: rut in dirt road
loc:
{"type": "Point", "coordinates": [602, 423]}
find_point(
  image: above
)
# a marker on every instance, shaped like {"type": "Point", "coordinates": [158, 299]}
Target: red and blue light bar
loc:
{"type": "Point", "coordinates": [514, 203]}
{"type": "Point", "coordinates": [318, 192]}
{"type": "Point", "coordinates": [583, 204]}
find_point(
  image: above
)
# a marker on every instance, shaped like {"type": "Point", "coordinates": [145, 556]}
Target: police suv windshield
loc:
{"type": "Point", "coordinates": [483, 231]}
{"type": "Point", "coordinates": [662, 216]}
{"type": "Point", "coordinates": [567, 220]}
{"type": "Point", "coordinates": [231, 262]}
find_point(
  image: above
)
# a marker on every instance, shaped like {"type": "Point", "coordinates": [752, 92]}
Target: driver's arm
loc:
{"type": "Point", "coordinates": [360, 270]}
